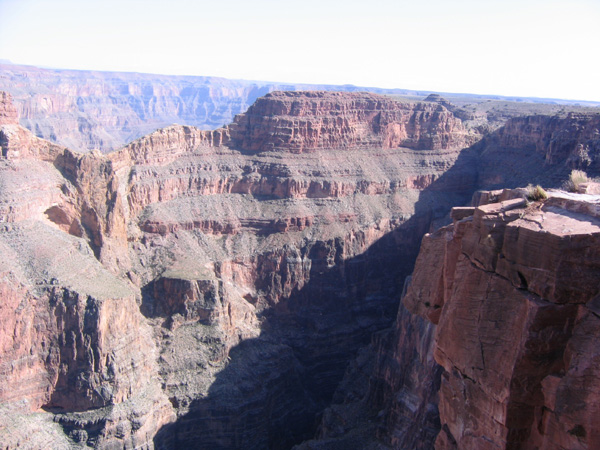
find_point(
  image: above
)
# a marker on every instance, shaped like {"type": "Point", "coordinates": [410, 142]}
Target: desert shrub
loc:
{"type": "Point", "coordinates": [575, 179]}
{"type": "Point", "coordinates": [536, 193]}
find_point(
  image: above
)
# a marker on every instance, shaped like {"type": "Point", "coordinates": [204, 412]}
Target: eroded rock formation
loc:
{"type": "Point", "coordinates": [188, 285]}
{"type": "Point", "coordinates": [304, 122]}
{"type": "Point", "coordinates": [86, 110]}
{"type": "Point", "coordinates": [208, 289]}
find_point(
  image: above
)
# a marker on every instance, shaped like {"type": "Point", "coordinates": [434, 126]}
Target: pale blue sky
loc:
{"type": "Point", "coordinates": [521, 47]}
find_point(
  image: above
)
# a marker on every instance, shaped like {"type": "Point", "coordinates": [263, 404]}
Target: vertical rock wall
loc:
{"type": "Point", "coordinates": [512, 289]}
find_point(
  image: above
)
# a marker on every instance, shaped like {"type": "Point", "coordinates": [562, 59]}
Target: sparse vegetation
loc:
{"type": "Point", "coordinates": [575, 179]}
{"type": "Point", "coordinates": [536, 193]}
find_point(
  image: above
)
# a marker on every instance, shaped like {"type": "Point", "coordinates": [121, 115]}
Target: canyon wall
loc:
{"type": "Point", "coordinates": [187, 291]}
{"type": "Point", "coordinates": [86, 110]}
{"type": "Point", "coordinates": [301, 122]}
{"type": "Point", "coordinates": [211, 289]}
{"type": "Point", "coordinates": [393, 393]}
{"type": "Point", "coordinates": [512, 288]}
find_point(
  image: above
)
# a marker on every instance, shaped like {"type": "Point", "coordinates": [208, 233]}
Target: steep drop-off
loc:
{"type": "Point", "coordinates": [512, 288]}
{"type": "Point", "coordinates": [391, 391]}
{"type": "Point", "coordinates": [190, 292]}
{"type": "Point", "coordinates": [208, 289]}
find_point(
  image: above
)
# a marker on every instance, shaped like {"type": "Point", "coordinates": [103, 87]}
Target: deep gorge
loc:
{"type": "Point", "coordinates": [240, 288]}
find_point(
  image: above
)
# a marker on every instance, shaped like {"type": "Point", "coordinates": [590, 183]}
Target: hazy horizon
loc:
{"type": "Point", "coordinates": [526, 48]}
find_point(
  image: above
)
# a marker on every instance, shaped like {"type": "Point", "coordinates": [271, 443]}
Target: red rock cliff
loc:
{"type": "Point", "coordinates": [303, 122]}
{"type": "Point", "coordinates": [514, 289]}
{"type": "Point", "coordinates": [180, 267]}
{"type": "Point", "coordinates": [191, 290]}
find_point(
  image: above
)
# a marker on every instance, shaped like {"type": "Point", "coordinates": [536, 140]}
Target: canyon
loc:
{"type": "Point", "coordinates": [240, 287]}
{"type": "Point", "coordinates": [87, 110]}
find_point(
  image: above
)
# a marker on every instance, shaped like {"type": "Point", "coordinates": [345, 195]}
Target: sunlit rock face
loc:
{"type": "Point", "coordinates": [86, 110]}
{"type": "Point", "coordinates": [209, 289]}
{"type": "Point", "coordinates": [512, 288]}
{"type": "Point", "coordinates": [304, 122]}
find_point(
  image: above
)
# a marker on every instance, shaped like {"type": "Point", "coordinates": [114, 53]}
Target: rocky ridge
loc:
{"type": "Point", "coordinates": [252, 275]}
{"type": "Point", "coordinates": [86, 110]}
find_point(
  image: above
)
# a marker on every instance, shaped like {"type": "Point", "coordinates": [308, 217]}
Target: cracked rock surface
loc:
{"type": "Point", "coordinates": [513, 289]}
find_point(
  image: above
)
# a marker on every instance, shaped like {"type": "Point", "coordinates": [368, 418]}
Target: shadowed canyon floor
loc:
{"type": "Point", "coordinates": [214, 289]}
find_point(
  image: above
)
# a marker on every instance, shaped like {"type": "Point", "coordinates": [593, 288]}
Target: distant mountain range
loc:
{"type": "Point", "coordinates": [86, 110]}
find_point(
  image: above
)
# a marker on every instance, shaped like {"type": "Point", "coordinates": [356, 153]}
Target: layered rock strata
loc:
{"type": "Point", "coordinates": [560, 143]}
{"type": "Point", "coordinates": [301, 122]}
{"type": "Point", "coordinates": [186, 287]}
{"type": "Point", "coordinates": [512, 287]}
{"type": "Point", "coordinates": [203, 289]}
{"type": "Point", "coordinates": [86, 110]}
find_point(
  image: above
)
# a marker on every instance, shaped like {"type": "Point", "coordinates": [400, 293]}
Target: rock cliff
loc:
{"type": "Point", "coordinates": [301, 122]}
{"type": "Point", "coordinates": [188, 286]}
{"type": "Point", "coordinates": [512, 287]}
{"type": "Point", "coordinates": [209, 289]}
{"type": "Point", "coordinates": [86, 110]}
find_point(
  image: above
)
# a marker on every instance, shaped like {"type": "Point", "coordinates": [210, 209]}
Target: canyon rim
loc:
{"type": "Point", "coordinates": [240, 287]}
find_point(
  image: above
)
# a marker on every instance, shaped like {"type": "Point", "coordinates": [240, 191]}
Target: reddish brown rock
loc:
{"type": "Point", "coordinates": [138, 275]}
{"type": "Point", "coordinates": [192, 290]}
{"type": "Point", "coordinates": [573, 139]}
{"type": "Point", "coordinates": [303, 122]}
{"type": "Point", "coordinates": [511, 282]}
{"type": "Point", "coordinates": [86, 110]}
{"type": "Point", "coordinates": [8, 112]}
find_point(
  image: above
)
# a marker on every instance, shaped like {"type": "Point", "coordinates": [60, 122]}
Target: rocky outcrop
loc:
{"type": "Point", "coordinates": [166, 145]}
{"type": "Point", "coordinates": [512, 288]}
{"type": "Point", "coordinates": [8, 112]}
{"type": "Point", "coordinates": [301, 122]}
{"type": "Point", "coordinates": [74, 343]}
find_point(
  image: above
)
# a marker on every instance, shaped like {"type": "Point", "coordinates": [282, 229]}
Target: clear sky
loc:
{"type": "Point", "coordinates": [537, 48]}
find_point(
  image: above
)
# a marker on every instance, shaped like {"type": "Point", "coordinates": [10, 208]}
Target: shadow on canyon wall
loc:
{"type": "Point", "coordinates": [273, 391]}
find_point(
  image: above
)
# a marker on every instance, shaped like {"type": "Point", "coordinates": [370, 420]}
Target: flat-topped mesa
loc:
{"type": "Point", "coordinates": [305, 121]}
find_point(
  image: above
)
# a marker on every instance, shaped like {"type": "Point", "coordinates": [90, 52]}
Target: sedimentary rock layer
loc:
{"type": "Point", "coordinates": [303, 122]}
{"type": "Point", "coordinates": [192, 287]}
{"type": "Point", "coordinates": [86, 110]}
{"type": "Point", "coordinates": [196, 289]}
